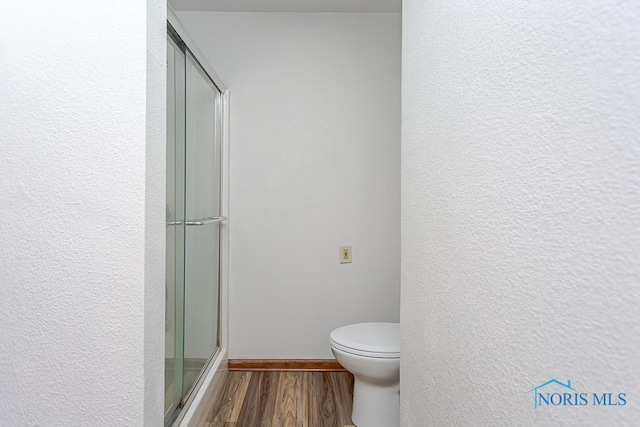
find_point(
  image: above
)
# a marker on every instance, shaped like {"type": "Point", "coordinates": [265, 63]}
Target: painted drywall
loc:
{"type": "Point", "coordinates": [520, 202]}
{"type": "Point", "coordinates": [314, 165]}
{"type": "Point", "coordinates": [155, 212]}
{"type": "Point", "coordinates": [82, 186]}
{"type": "Point", "coordinates": [323, 6]}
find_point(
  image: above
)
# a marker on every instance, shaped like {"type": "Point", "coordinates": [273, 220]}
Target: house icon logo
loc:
{"type": "Point", "coordinates": [546, 398]}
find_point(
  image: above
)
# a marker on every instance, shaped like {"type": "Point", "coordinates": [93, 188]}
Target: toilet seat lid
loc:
{"type": "Point", "coordinates": [374, 339]}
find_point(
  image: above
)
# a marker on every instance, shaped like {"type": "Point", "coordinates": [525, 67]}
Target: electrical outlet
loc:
{"type": "Point", "coordinates": [345, 254]}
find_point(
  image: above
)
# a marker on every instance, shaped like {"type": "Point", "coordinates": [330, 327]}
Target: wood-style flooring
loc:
{"type": "Point", "coordinates": [283, 399]}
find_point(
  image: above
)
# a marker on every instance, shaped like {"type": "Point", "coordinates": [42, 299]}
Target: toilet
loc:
{"type": "Point", "coordinates": [371, 352]}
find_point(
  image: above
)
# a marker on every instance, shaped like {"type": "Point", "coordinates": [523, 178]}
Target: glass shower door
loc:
{"type": "Point", "coordinates": [175, 229]}
{"type": "Point", "coordinates": [202, 238]}
{"type": "Point", "coordinates": [194, 111]}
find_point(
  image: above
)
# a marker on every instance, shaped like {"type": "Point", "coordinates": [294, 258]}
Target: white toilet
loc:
{"type": "Point", "coordinates": [371, 352]}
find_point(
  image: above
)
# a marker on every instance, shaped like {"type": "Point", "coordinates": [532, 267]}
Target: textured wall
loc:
{"type": "Point", "coordinates": [315, 162]}
{"type": "Point", "coordinates": [75, 205]}
{"type": "Point", "coordinates": [155, 213]}
{"type": "Point", "coordinates": [520, 209]}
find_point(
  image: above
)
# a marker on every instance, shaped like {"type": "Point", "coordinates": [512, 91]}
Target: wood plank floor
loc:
{"type": "Point", "coordinates": [283, 399]}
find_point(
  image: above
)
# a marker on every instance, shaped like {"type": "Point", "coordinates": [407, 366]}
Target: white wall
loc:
{"type": "Point", "coordinates": [82, 230]}
{"type": "Point", "coordinates": [155, 213]}
{"type": "Point", "coordinates": [314, 165]}
{"type": "Point", "coordinates": [520, 202]}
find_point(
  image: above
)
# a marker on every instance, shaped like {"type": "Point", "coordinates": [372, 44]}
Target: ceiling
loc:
{"type": "Point", "coordinates": [288, 5]}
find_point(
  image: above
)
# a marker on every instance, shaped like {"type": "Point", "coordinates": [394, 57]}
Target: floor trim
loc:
{"type": "Point", "coordinates": [303, 365]}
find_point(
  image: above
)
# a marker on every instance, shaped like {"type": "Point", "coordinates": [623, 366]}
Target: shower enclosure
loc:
{"type": "Point", "coordinates": [194, 221]}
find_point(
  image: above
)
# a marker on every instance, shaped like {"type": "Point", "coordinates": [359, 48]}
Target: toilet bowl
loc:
{"type": "Point", "coordinates": [371, 352]}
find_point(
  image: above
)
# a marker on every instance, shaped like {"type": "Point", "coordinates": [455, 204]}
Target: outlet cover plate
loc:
{"type": "Point", "coordinates": [345, 254]}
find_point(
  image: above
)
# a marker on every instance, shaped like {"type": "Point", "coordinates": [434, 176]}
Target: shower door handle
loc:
{"type": "Point", "coordinates": [206, 221]}
{"type": "Point", "coordinates": [170, 215]}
